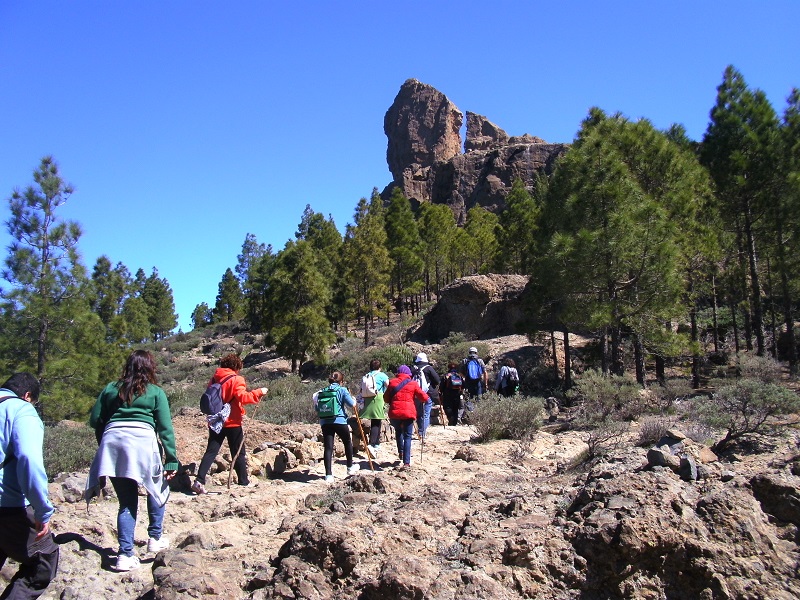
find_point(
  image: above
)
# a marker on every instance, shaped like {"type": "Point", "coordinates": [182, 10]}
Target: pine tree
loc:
{"type": "Point", "coordinates": [43, 264]}
{"type": "Point", "coordinates": [738, 149]}
{"type": "Point", "coordinates": [405, 248]}
{"type": "Point", "coordinates": [480, 229]}
{"type": "Point", "coordinates": [517, 230]}
{"type": "Point", "coordinates": [201, 315]}
{"type": "Point", "coordinates": [298, 295]}
{"type": "Point", "coordinates": [366, 254]}
{"type": "Point", "coordinates": [157, 295]}
{"type": "Point", "coordinates": [230, 301]}
{"type": "Point", "coordinates": [437, 228]}
{"type": "Point", "coordinates": [246, 265]}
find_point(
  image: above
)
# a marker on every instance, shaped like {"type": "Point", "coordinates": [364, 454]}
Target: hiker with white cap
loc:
{"type": "Point", "coordinates": [428, 379]}
{"type": "Point", "coordinates": [475, 374]}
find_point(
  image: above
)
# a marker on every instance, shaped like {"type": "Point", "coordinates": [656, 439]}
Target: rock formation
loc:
{"type": "Point", "coordinates": [424, 153]}
{"type": "Point", "coordinates": [480, 306]}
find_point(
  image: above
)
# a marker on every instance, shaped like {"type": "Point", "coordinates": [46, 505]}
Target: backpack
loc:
{"type": "Point", "coordinates": [513, 376]}
{"type": "Point", "coordinates": [454, 381]}
{"type": "Point", "coordinates": [211, 402]}
{"type": "Point", "coordinates": [419, 377]}
{"type": "Point", "coordinates": [369, 387]}
{"type": "Point", "coordinates": [327, 403]}
{"type": "Point", "coordinates": [511, 384]}
{"type": "Point", "coordinates": [474, 370]}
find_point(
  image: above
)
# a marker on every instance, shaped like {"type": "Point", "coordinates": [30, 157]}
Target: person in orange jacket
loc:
{"type": "Point", "coordinates": [235, 393]}
{"type": "Point", "coordinates": [401, 393]}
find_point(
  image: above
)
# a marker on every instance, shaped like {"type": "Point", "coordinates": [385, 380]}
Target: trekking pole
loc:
{"type": "Point", "coordinates": [233, 460]}
{"type": "Point", "coordinates": [363, 437]}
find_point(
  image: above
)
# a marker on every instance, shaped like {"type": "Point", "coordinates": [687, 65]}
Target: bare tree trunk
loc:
{"type": "Point", "coordinates": [715, 325]}
{"type": "Point", "coordinates": [555, 354]}
{"type": "Point", "coordinates": [567, 361]}
{"type": "Point", "coordinates": [638, 354]}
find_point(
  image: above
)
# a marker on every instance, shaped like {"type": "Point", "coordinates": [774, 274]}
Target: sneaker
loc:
{"type": "Point", "coordinates": [157, 545]}
{"type": "Point", "coordinates": [353, 469]}
{"type": "Point", "coordinates": [328, 478]}
{"type": "Point", "coordinates": [405, 467]}
{"type": "Point", "coordinates": [249, 484]}
{"type": "Point", "coordinates": [127, 563]}
{"type": "Point", "coordinates": [373, 452]}
{"type": "Point", "coordinates": [198, 488]}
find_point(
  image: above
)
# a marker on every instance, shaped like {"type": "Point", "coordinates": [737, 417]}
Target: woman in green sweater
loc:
{"type": "Point", "coordinates": [127, 417]}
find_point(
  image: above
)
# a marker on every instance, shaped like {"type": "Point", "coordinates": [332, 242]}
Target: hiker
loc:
{"type": "Point", "coordinates": [25, 507]}
{"type": "Point", "coordinates": [507, 382]}
{"type": "Point", "coordinates": [235, 393]}
{"type": "Point", "coordinates": [475, 375]}
{"type": "Point", "coordinates": [329, 403]}
{"type": "Point", "coordinates": [130, 417]}
{"type": "Point", "coordinates": [401, 395]}
{"type": "Point", "coordinates": [428, 380]}
{"type": "Point", "coordinates": [373, 404]}
{"type": "Point", "coordinates": [453, 394]}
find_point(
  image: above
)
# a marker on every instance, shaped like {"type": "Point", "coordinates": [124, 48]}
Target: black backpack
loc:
{"type": "Point", "coordinates": [211, 401]}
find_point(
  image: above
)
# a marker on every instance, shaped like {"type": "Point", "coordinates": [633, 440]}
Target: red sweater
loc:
{"type": "Point", "coordinates": [402, 406]}
{"type": "Point", "coordinates": [235, 392]}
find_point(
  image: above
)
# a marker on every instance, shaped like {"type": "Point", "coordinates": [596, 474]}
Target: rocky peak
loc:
{"type": "Point", "coordinates": [425, 158]}
{"type": "Point", "coordinates": [423, 129]}
{"type": "Point", "coordinates": [482, 134]}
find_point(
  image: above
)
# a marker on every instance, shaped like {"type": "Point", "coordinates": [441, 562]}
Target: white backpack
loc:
{"type": "Point", "coordinates": [369, 388]}
{"type": "Point", "coordinates": [420, 378]}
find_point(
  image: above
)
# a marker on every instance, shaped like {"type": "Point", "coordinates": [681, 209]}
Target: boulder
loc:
{"type": "Point", "coordinates": [480, 306]}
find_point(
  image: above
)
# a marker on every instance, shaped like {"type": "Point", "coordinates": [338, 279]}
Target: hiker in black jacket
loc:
{"type": "Point", "coordinates": [428, 379]}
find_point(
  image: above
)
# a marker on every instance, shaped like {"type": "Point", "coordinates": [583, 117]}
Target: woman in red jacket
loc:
{"type": "Point", "coordinates": [401, 393]}
{"type": "Point", "coordinates": [235, 393]}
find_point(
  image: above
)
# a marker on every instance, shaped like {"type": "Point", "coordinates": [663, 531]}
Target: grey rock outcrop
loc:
{"type": "Point", "coordinates": [425, 158]}
{"type": "Point", "coordinates": [480, 306]}
{"type": "Point", "coordinates": [423, 130]}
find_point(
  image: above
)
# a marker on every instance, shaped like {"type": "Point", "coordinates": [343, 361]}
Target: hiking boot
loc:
{"type": "Point", "coordinates": [157, 545]}
{"type": "Point", "coordinates": [328, 478]}
{"type": "Point", "coordinates": [250, 484]}
{"type": "Point", "coordinates": [127, 563]}
{"type": "Point", "coordinates": [353, 469]}
{"type": "Point", "coordinates": [198, 488]}
{"type": "Point", "coordinates": [404, 467]}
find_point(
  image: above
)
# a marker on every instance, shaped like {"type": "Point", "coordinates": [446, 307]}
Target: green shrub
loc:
{"type": "Point", "coordinates": [496, 417]}
{"type": "Point", "coordinates": [68, 448]}
{"type": "Point", "coordinates": [743, 407]}
{"type": "Point", "coordinates": [605, 398]}
{"type": "Point", "coordinates": [761, 368]}
{"type": "Point", "coordinates": [289, 401]}
{"type": "Point", "coordinates": [455, 348]}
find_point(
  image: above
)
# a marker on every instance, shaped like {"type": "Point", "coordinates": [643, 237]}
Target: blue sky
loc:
{"type": "Point", "coordinates": [186, 125]}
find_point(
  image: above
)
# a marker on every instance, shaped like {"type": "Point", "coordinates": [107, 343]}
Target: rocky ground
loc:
{"type": "Point", "coordinates": [498, 520]}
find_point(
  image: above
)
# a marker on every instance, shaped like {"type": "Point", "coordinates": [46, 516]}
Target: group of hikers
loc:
{"type": "Point", "coordinates": [136, 444]}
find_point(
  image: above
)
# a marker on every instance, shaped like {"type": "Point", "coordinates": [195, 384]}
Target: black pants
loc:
{"type": "Point", "coordinates": [453, 403]}
{"type": "Point", "coordinates": [38, 559]}
{"type": "Point", "coordinates": [235, 437]}
{"type": "Point", "coordinates": [329, 433]}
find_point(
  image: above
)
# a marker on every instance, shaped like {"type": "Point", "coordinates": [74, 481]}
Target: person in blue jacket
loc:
{"type": "Point", "coordinates": [25, 507]}
{"type": "Point", "coordinates": [329, 403]}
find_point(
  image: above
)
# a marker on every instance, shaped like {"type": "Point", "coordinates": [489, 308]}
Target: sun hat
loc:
{"type": "Point", "coordinates": [421, 357]}
{"type": "Point", "coordinates": [473, 350]}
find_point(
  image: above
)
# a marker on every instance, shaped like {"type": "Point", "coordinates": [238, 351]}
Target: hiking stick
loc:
{"type": "Point", "coordinates": [233, 460]}
{"type": "Point", "coordinates": [363, 437]}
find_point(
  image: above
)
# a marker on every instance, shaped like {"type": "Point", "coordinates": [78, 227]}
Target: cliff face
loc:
{"type": "Point", "coordinates": [425, 157]}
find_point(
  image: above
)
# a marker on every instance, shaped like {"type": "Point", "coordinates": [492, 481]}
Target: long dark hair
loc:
{"type": "Point", "coordinates": [140, 369]}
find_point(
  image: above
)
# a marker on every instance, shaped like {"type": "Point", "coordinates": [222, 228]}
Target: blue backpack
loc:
{"type": "Point", "coordinates": [474, 370]}
{"type": "Point", "coordinates": [211, 401]}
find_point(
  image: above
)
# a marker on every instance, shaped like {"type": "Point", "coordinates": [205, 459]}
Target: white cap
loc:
{"type": "Point", "coordinates": [421, 357]}
{"type": "Point", "coordinates": [473, 350]}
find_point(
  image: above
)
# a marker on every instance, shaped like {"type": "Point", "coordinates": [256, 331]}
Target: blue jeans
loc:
{"type": "Point", "coordinates": [403, 433]}
{"type": "Point", "coordinates": [423, 416]}
{"type": "Point", "coordinates": [128, 494]}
